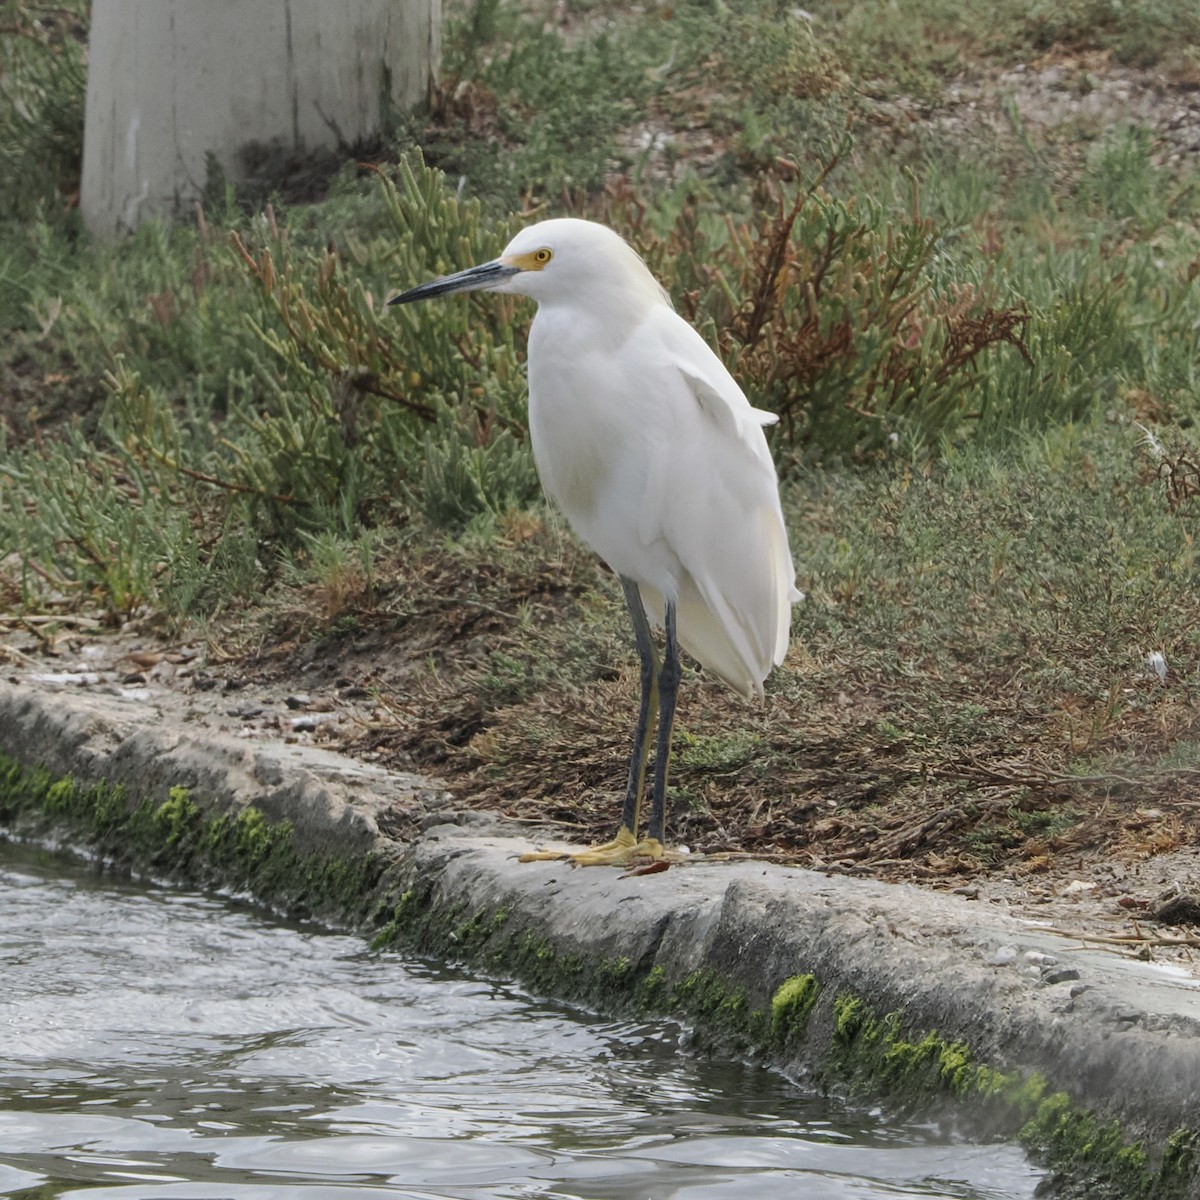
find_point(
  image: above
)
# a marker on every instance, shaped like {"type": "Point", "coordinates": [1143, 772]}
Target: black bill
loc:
{"type": "Point", "coordinates": [486, 275]}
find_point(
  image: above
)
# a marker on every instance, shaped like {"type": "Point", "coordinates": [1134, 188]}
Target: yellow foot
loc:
{"type": "Point", "coordinates": [620, 852]}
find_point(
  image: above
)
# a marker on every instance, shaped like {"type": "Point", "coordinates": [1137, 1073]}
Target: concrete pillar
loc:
{"type": "Point", "coordinates": [170, 81]}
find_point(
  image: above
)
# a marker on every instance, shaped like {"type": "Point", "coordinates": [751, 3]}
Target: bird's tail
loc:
{"type": "Point", "coordinates": [738, 643]}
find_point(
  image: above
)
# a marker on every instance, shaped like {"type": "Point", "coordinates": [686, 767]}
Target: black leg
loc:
{"type": "Point", "coordinates": [668, 687]}
{"type": "Point", "coordinates": [659, 685]}
{"type": "Point", "coordinates": [647, 708]}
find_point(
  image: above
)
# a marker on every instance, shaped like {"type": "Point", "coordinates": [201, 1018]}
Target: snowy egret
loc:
{"type": "Point", "coordinates": [656, 458]}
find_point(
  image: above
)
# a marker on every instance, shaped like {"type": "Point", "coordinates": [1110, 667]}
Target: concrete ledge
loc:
{"type": "Point", "coordinates": [949, 1009]}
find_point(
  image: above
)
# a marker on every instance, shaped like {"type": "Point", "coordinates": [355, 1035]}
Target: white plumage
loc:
{"type": "Point", "coordinates": [655, 456]}
{"type": "Point", "coordinates": [648, 446]}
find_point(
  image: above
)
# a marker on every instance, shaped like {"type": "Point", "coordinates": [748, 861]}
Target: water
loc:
{"type": "Point", "coordinates": [161, 1045]}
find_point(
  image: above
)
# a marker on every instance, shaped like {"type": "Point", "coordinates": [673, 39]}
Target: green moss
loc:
{"type": "Point", "coordinates": [877, 1047]}
{"type": "Point", "coordinates": [100, 806]}
{"type": "Point", "coordinates": [956, 1067]}
{"type": "Point", "coordinates": [485, 936]}
{"type": "Point", "coordinates": [848, 1016]}
{"type": "Point", "coordinates": [1178, 1166]}
{"type": "Point", "coordinates": [537, 961]}
{"type": "Point", "coordinates": [705, 993]}
{"type": "Point", "coordinates": [1016, 1093]}
{"type": "Point", "coordinates": [61, 796]}
{"type": "Point", "coordinates": [615, 972]}
{"type": "Point", "coordinates": [876, 1050]}
{"type": "Point", "coordinates": [651, 989]}
{"type": "Point", "coordinates": [400, 920]}
{"type": "Point", "coordinates": [792, 1005]}
{"type": "Point", "coordinates": [177, 816]}
{"type": "Point", "coordinates": [711, 999]}
{"type": "Point", "coordinates": [909, 1063]}
{"type": "Point", "coordinates": [1077, 1142]}
{"type": "Point", "coordinates": [176, 836]}
{"type": "Point", "coordinates": [468, 934]}
{"type": "Point", "coordinates": [254, 840]}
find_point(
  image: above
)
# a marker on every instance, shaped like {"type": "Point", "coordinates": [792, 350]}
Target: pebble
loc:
{"type": "Point", "coordinates": [311, 720]}
{"type": "Point", "coordinates": [1059, 975]}
{"type": "Point", "coordinates": [1038, 959]}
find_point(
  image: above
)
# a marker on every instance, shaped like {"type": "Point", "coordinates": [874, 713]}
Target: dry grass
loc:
{"type": "Point", "coordinates": [948, 710]}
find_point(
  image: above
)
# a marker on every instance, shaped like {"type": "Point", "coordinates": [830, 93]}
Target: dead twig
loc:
{"type": "Point", "coordinates": [1138, 939]}
{"type": "Point", "coordinates": [49, 619]}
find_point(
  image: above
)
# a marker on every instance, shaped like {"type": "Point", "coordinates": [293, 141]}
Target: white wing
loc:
{"type": "Point", "coordinates": [713, 499]}
{"type": "Point", "coordinates": [659, 462]}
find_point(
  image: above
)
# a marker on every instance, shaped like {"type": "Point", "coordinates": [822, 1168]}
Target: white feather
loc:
{"type": "Point", "coordinates": [651, 450]}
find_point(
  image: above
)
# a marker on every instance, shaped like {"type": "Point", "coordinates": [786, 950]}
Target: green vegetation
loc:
{"type": "Point", "coordinates": [841, 1038]}
{"type": "Point", "coordinates": [43, 76]}
{"type": "Point", "coordinates": [1097, 1157]}
{"type": "Point", "coordinates": [792, 1005]}
{"type": "Point", "coordinates": [238, 849]}
{"type": "Point", "coordinates": [970, 295]}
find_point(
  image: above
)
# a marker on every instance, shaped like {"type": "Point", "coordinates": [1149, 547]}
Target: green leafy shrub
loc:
{"type": "Point", "coordinates": [91, 525]}
{"type": "Point", "coordinates": [831, 314]}
{"type": "Point", "coordinates": [43, 81]}
{"type": "Point", "coordinates": [310, 407]}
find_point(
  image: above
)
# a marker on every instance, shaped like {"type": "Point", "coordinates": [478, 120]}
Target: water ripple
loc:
{"type": "Point", "coordinates": [167, 1045]}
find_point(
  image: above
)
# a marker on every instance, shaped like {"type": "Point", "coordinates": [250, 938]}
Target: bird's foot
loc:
{"type": "Point", "coordinates": [623, 850]}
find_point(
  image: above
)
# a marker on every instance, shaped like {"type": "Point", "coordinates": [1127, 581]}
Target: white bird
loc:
{"type": "Point", "coordinates": [652, 452]}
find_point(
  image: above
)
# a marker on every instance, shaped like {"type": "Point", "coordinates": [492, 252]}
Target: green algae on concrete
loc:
{"type": "Point", "coordinates": [841, 1039]}
{"type": "Point", "coordinates": [1178, 1167]}
{"type": "Point", "coordinates": [484, 939]}
{"type": "Point", "coordinates": [241, 849]}
{"type": "Point", "coordinates": [707, 996]}
{"type": "Point", "coordinates": [1092, 1158]}
{"type": "Point", "coordinates": [791, 1007]}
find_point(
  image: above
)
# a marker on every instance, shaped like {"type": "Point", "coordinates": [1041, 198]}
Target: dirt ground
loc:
{"type": "Point", "coordinates": [340, 694]}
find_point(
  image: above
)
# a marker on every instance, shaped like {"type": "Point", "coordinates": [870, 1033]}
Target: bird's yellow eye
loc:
{"type": "Point", "coordinates": [531, 260]}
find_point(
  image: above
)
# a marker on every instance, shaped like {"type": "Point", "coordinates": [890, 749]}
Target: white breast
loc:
{"type": "Point", "coordinates": [597, 428]}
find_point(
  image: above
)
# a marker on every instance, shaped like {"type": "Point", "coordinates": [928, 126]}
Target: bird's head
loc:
{"type": "Point", "coordinates": [557, 260]}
